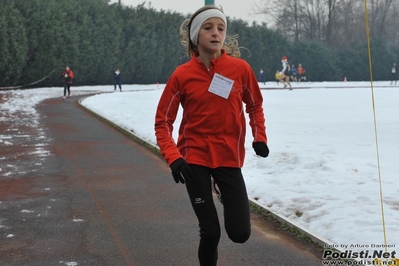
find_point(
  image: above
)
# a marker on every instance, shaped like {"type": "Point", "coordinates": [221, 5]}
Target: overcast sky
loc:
{"type": "Point", "coordinates": [240, 9]}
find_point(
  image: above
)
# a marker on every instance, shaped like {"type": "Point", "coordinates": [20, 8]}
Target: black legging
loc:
{"type": "Point", "coordinates": [235, 203]}
{"type": "Point", "coordinates": [119, 85]}
{"type": "Point", "coordinates": [393, 77]}
{"type": "Point", "coordinates": [67, 86]}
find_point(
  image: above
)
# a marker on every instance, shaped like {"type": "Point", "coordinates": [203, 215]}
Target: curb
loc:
{"type": "Point", "coordinates": [302, 230]}
{"type": "Point", "coordinates": [322, 242]}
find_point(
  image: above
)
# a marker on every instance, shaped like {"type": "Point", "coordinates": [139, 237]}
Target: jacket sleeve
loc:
{"type": "Point", "coordinates": [71, 74]}
{"type": "Point", "coordinates": [253, 100]}
{"type": "Point", "coordinates": [165, 116]}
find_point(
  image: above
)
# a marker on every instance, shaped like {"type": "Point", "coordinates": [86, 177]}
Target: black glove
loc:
{"type": "Point", "coordinates": [261, 149]}
{"type": "Point", "coordinates": [180, 170]}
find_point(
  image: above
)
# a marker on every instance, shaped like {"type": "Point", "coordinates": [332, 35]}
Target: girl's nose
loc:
{"type": "Point", "coordinates": [215, 32]}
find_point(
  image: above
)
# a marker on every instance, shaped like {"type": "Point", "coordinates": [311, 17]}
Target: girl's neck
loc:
{"type": "Point", "coordinates": [206, 58]}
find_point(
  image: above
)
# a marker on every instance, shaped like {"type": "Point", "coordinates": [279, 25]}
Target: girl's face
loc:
{"type": "Point", "coordinates": [211, 36]}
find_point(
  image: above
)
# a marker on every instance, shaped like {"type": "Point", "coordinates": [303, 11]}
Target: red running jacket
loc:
{"type": "Point", "coordinates": [68, 76]}
{"type": "Point", "coordinates": [212, 131]}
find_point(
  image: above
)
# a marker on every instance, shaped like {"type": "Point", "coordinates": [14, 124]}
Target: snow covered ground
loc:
{"type": "Point", "coordinates": [324, 169]}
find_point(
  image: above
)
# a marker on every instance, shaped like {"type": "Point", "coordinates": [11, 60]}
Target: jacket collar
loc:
{"type": "Point", "coordinates": [213, 61]}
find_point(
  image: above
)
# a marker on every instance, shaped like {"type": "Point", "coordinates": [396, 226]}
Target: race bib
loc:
{"type": "Point", "coordinates": [221, 86]}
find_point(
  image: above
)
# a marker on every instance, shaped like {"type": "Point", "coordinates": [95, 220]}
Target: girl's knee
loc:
{"type": "Point", "coordinates": [239, 236]}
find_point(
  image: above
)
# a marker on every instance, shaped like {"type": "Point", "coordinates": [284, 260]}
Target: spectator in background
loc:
{"type": "Point", "coordinates": [393, 74]}
{"type": "Point", "coordinates": [117, 79]}
{"type": "Point", "coordinates": [67, 75]}
{"type": "Point", "coordinates": [293, 73]}
{"type": "Point", "coordinates": [262, 76]}
{"type": "Point", "coordinates": [301, 73]}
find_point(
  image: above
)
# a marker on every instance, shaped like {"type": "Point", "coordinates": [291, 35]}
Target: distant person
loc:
{"type": "Point", "coordinates": [67, 75]}
{"type": "Point", "coordinates": [215, 86]}
{"type": "Point", "coordinates": [117, 79]}
{"type": "Point", "coordinates": [301, 73]}
{"type": "Point", "coordinates": [277, 77]}
{"type": "Point", "coordinates": [293, 73]}
{"type": "Point", "coordinates": [285, 73]}
{"type": "Point", "coordinates": [262, 76]}
{"type": "Point", "coordinates": [393, 74]}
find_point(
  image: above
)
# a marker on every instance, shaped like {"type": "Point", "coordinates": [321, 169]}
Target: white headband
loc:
{"type": "Point", "coordinates": [201, 18]}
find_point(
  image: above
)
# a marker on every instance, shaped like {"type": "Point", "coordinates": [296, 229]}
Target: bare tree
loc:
{"type": "Point", "coordinates": [303, 19]}
{"type": "Point", "coordinates": [331, 16]}
{"type": "Point", "coordinates": [285, 16]}
{"type": "Point", "coordinates": [391, 25]}
{"type": "Point", "coordinates": [337, 22]}
{"type": "Point", "coordinates": [349, 23]}
{"type": "Point", "coordinates": [312, 19]}
{"type": "Point", "coordinates": [378, 11]}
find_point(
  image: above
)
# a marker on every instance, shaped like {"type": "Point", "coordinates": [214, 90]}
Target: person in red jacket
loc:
{"type": "Point", "coordinates": [67, 75]}
{"type": "Point", "coordinates": [301, 73]}
{"type": "Point", "coordinates": [211, 89]}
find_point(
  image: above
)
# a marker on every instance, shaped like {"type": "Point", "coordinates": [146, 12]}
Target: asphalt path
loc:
{"type": "Point", "coordinates": [102, 198]}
